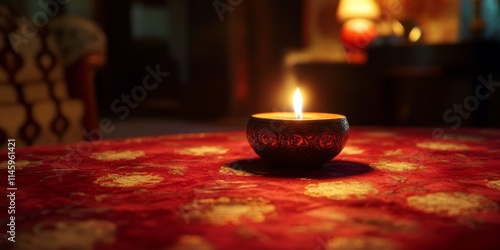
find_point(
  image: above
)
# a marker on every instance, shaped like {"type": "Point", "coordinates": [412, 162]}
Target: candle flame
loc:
{"type": "Point", "coordinates": [297, 104]}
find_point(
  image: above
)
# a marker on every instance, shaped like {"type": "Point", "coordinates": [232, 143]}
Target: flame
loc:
{"type": "Point", "coordinates": [297, 104]}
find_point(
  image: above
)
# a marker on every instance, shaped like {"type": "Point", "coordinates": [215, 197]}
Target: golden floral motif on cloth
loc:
{"type": "Point", "coordinates": [68, 235]}
{"type": "Point", "coordinates": [117, 155]}
{"type": "Point", "coordinates": [20, 164]}
{"type": "Point", "coordinates": [396, 166]}
{"type": "Point", "coordinates": [127, 180]}
{"type": "Point", "coordinates": [443, 146]}
{"type": "Point", "coordinates": [202, 151]}
{"type": "Point", "coordinates": [340, 190]}
{"type": "Point", "coordinates": [227, 210]}
{"type": "Point", "coordinates": [494, 184]}
{"type": "Point", "coordinates": [188, 241]}
{"type": "Point", "coordinates": [349, 150]}
{"type": "Point", "coordinates": [233, 171]}
{"type": "Point", "coordinates": [452, 203]}
{"type": "Point", "coordinates": [360, 243]}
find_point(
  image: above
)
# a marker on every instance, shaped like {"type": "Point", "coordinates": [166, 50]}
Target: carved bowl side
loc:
{"type": "Point", "coordinates": [297, 143]}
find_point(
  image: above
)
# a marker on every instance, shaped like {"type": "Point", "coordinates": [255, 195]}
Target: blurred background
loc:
{"type": "Point", "coordinates": [379, 62]}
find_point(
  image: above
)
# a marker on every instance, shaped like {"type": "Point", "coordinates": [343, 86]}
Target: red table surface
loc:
{"type": "Point", "coordinates": [388, 189]}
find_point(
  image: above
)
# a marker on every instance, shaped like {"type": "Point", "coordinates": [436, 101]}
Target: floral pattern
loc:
{"type": "Point", "coordinates": [494, 184]}
{"type": "Point", "coordinates": [388, 189]}
{"type": "Point", "coordinates": [202, 151]}
{"type": "Point", "coordinates": [360, 243]}
{"type": "Point", "coordinates": [228, 210]}
{"type": "Point", "coordinates": [68, 235]}
{"type": "Point", "coordinates": [117, 155]}
{"type": "Point", "coordinates": [192, 242]}
{"type": "Point", "coordinates": [340, 190]}
{"type": "Point", "coordinates": [352, 150]}
{"type": "Point", "coordinates": [233, 171]}
{"type": "Point", "coordinates": [444, 146]}
{"type": "Point", "coordinates": [396, 166]}
{"type": "Point", "coordinates": [127, 180]}
{"type": "Point", "coordinates": [452, 203]}
{"type": "Point", "coordinates": [21, 164]}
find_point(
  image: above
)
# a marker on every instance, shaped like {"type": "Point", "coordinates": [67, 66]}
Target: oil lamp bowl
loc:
{"type": "Point", "coordinates": [287, 142]}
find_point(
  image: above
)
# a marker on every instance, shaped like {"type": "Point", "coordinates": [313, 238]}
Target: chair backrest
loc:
{"type": "Point", "coordinates": [34, 104]}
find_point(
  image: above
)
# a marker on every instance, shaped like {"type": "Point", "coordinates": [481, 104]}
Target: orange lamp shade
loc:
{"type": "Point", "coordinates": [358, 33]}
{"type": "Point", "coordinates": [358, 29]}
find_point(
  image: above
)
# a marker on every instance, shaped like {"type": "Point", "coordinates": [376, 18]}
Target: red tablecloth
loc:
{"type": "Point", "coordinates": [388, 189]}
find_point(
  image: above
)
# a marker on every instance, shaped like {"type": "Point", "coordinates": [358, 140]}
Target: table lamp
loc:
{"type": "Point", "coordinates": [358, 27]}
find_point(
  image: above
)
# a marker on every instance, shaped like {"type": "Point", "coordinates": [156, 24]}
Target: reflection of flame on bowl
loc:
{"type": "Point", "coordinates": [297, 143]}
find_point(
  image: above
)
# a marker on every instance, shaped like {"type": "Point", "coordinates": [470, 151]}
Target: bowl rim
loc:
{"type": "Point", "coordinates": [285, 116]}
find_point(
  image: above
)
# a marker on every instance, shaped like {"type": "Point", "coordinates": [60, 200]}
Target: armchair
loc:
{"type": "Point", "coordinates": [47, 93]}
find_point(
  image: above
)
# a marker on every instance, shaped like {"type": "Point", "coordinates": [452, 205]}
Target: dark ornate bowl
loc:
{"type": "Point", "coordinates": [287, 142]}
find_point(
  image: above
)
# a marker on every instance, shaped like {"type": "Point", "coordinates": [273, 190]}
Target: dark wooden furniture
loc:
{"type": "Point", "coordinates": [450, 65]}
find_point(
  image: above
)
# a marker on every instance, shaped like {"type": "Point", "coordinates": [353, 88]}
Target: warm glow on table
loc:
{"type": "Point", "coordinates": [390, 188]}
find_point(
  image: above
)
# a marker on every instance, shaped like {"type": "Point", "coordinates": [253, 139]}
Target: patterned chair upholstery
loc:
{"type": "Point", "coordinates": [35, 105]}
